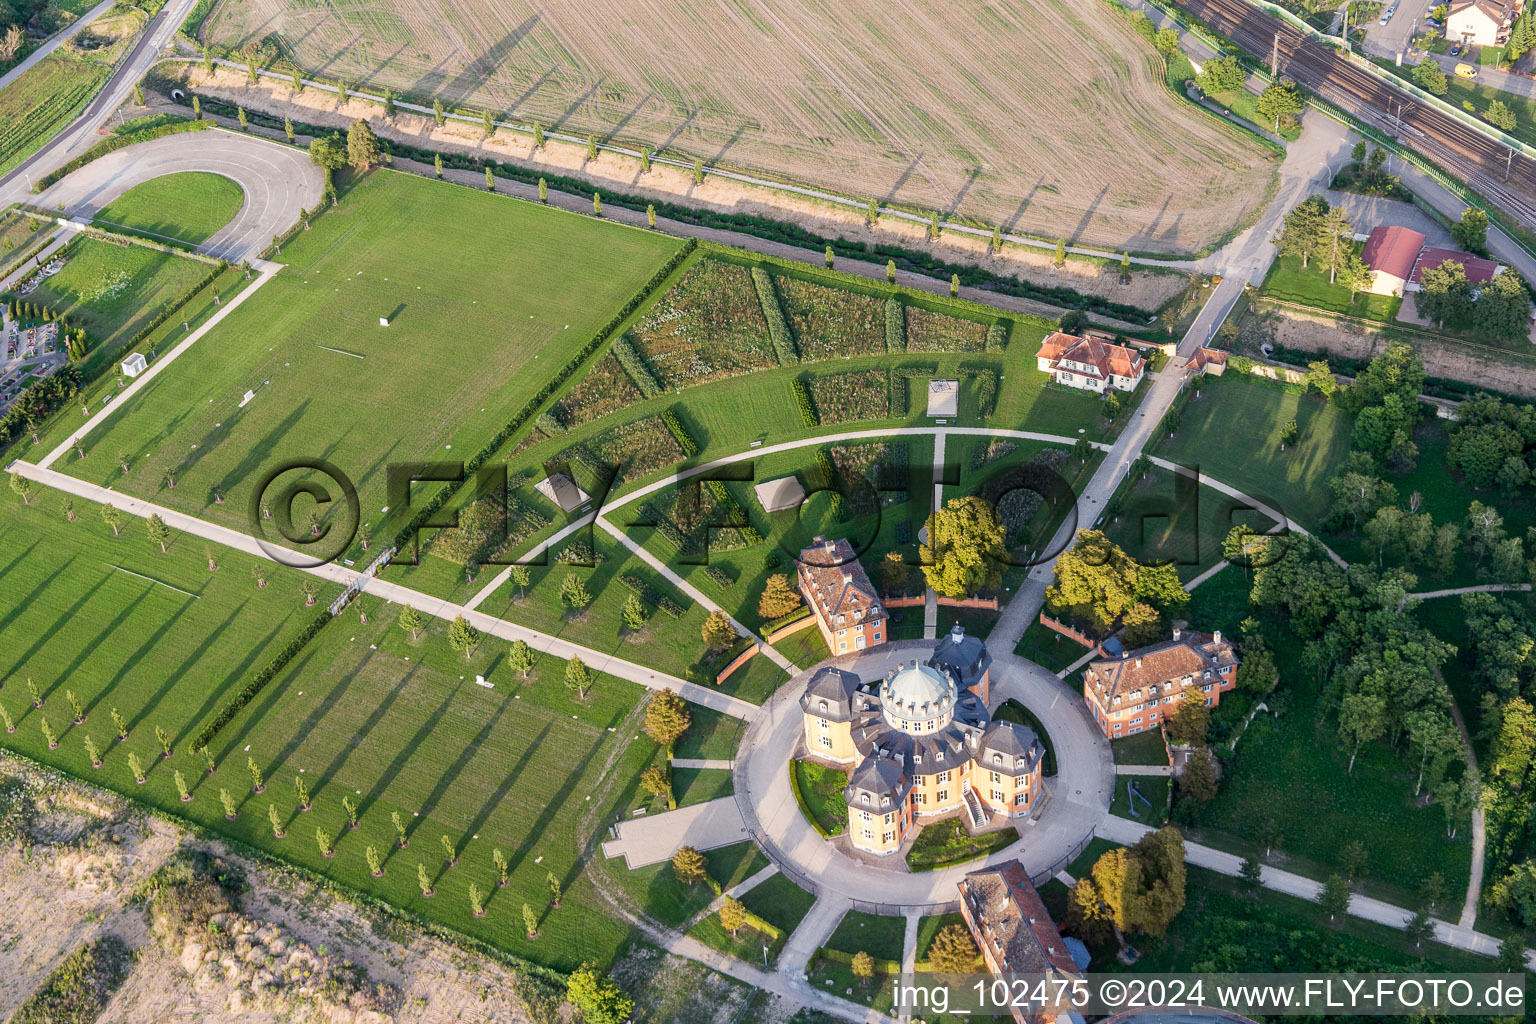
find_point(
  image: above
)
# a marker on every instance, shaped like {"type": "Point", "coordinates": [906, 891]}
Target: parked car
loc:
{"type": "Point", "coordinates": [1466, 71]}
{"type": "Point", "coordinates": [1386, 16]}
{"type": "Point", "coordinates": [1455, 51]}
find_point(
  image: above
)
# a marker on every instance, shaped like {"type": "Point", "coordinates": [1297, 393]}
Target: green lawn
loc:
{"type": "Point", "coordinates": [1245, 105]}
{"type": "Point", "coordinates": [777, 901]}
{"type": "Point", "coordinates": [1044, 646]}
{"type": "Point", "coordinates": [1169, 517]}
{"type": "Point", "coordinates": [711, 735]}
{"type": "Point", "coordinates": [1142, 748]}
{"type": "Point", "coordinates": [1012, 711]}
{"type": "Point", "coordinates": [20, 233]}
{"type": "Point", "coordinates": [657, 891]}
{"type": "Point", "coordinates": [1289, 281]}
{"type": "Point", "coordinates": [929, 927]}
{"type": "Point", "coordinates": [821, 787]}
{"type": "Point", "coordinates": [946, 842]}
{"type": "Point", "coordinates": [879, 935]}
{"type": "Point", "coordinates": [188, 207]}
{"type": "Point", "coordinates": [1153, 788]}
{"type": "Point", "coordinates": [700, 785]}
{"type": "Point", "coordinates": [372, 396]}
{"type": "Point", "coordinates": [1221, 602]}
{"type": "Point", "coordinates": [1231, 433]}
{"type": "Point", "coordinates": [837, 979]}
{"type": "Point", "coordinates": [114, 291]}
{"type": "Point", "coordinates": [42, 101]}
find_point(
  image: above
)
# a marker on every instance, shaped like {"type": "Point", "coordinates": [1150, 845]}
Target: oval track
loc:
{"type": "Point", "coordinates": [1470, 155]}
{"type": "Point", "coordinates": [278, 182]}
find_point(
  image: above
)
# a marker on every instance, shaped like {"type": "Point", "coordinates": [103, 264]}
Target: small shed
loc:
{"type": "Point", "coordinates": [563, 491]}
{"type": "Point", "coordinates": [944, 398]}
{"type": "Point", "coordinates": [780, 494]}
{"type": "Point", "coordinates": [134, 365]}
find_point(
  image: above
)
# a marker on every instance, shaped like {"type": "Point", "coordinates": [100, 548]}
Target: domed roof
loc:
{"type": "Point", "coordinates": [918, 692]}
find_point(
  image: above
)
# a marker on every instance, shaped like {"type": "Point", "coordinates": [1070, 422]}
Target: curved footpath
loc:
{"type": "Point", "coordinates": [278, 182]}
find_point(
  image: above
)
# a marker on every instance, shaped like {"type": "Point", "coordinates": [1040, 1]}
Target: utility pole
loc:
{"type": "Point", "coordinates": [1274, 59]}
{"type": "Point", "coordinates": [1509, 159]}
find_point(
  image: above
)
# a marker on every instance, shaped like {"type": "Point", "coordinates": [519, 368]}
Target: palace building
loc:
{"type": "Point", "coordinates": [922, 745]}
{"type": "Point", "coordinates": [841, 597]}
{"type": "Point", "coordinates": [1141, 688]}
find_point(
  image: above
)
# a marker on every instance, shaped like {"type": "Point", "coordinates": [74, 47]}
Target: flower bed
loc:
{"type": "Point", "coordinates": [605, 389]}
{"type": "Point", "coordinates": [829, 323]}
{"type": "Point", "coordinates": [934, 332]}
{"type": "Point", "coordinates": [863, 469]}
{"type": "Point", "coordinates": [844, 397]}
{"type": "Point", "coordinates": [635, 449]}
{"type": "Point", "coordinates": [708, 327]}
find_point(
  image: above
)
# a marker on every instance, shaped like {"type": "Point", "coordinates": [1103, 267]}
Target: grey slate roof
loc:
{"type": "Point", "coordinates": [878, 784]}
{"type": "Point", "coordinates": [964, 658]}
{"type": "Point", "coordinates": [833, 688]}
{"type": "Point", "coordinates": [1017, 744]}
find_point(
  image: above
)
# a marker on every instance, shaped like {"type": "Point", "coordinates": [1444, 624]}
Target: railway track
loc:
{"type": "Point", "coordinates": [1506, 178]}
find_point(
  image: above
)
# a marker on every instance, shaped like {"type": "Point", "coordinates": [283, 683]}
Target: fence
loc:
{"type": "Point", "coordinates": [1071, 634]}
{"type": "Point", "coordinates": [738, 661]}
{"type": "Point", "coordinates": [793, 627]}
{"type": "Point", "coordinates": [356, 586]}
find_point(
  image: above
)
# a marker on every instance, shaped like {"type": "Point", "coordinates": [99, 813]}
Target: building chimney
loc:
{"type": "Point", "coordinates": [1138, 663]}
{"type": "Point", "coordinates": [1176, 632]}
{"type": "Point", "coordinates": [1217, 637]}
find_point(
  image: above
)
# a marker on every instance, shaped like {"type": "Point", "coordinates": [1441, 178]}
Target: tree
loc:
{"type": "Point", "coordinates": [1199, 779]}
{"type": "Point", "coordinates": [965, 552]}
{"type": "Point", "coordinates": [1357, 154]}
{"type": "Point", "coordinates": [890, 271]}
{"type": "Point", "coordinates": [423, 881]}
{"type": "Point", "coordinates": [573, 592]}
{"type": "Point", "coordinates": [688, 865]}
{"type": "Point", "coordinates": [953, 951]}
{"type": "Point", "coordinates": [894, 573]}
{"type": "Point", "coordinates": [438, 116]}
{"type": "Point", "coordinates": [1428, 76]}
{"type": "Point", "coordinates": [329, 153]}
{"type": "Point", "coordinates": [698, 172]}
{"type": "Point", "coordinates": [1445, 296]}
{"type": "Point", "coordinates": [1167, 41]}
{"type": "Point", "coordinates": [597, 204]}
{"type": "Point", "coordinates": [362, 145]}
{"type": "Point", "coordinates": [1471, 232]}
{"type": "Point", "coordinates": [463, 637]}
{"type": "Point", "coordinates": [159, 533]}
{"type": "Point", "coordinates": [411, 621]}
{"type": "Point", "coordinates": [1419, 929]}
{"type": "Point", "coordinates": [437, 164]}
{"type": "Point", "coordinates": [301, 793]}
{"type": "Point", "coordinates": [488, 125]}
{"type": "Point", "coordinates": [1511, 956]}
{"type": "Point", "coordinates": [779, 597]}
{"type": "Point", "coordinates": [1319, 378]}
{"type": "Point", "coordinates": [288, 131]}
{"type": "Point", "coordinates": [863, 967]}
{"type": "Point", "coordinates": [23, 488]}
{"type": "Point", "coordinates": [733, 916]}
{"type": "Point", "coordinates": [650, 214]}
{"type": "Point", "coordinates": [1289, 433]}
{"type": "Point", "coordinates": [1500, 116]}
{"type": "Point", "coordinates": [1141, 625]}
{"type": "Point", "coordinates": [1354, 859]}
{"type": "Point", "coordinates": [718, 632]}
{"type": "Point", "coordinates": [666, 718]}
{"type": "Point", "coordinates": [578, 678]}
{"type": "Point", "coordinates": [1336, 243]}
{"type": "Point", "coordinates": [633, 614]}
{"type": "Point", "coordinates": [538, 135]}
{"type": "Point", "coordinates": [243, 118]}
{"type": "Point", "coordinates": [1302, 228]}
{"type": "Point", "coordinates": [597, 997]}
{"type": "Point", "coordinates": [1503, 308]}
{"type": "Point", "coordinates": [1362, 718]}
{"type": "Point", "coordinates": [1060, 258]}
{"type": "Point", "coordinates": [555, 891]}
{"type": "Point", "coordinates": [389, 104]}
{"type": "Point", "coordinates": [1096, 582]}
{"type": "Point", "coordinates": [1223, 74]}
{"type": "Point", "coordinates": [1334, 897]}
{"type": "Point", "coordinates": [1280, 103]}
{"type": "Point", "coordinates": [371, 855]}
{"type": "Point", "coordinates": [520, 658]}
{"type": "Point", "coordinates": [449, 851]}
{"type": "Point", "coordinates": [1250, 875]}
{"type": "Point", "coordinates": [1143, 887]}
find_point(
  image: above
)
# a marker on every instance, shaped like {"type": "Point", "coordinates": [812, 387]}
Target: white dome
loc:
{"type": "Point", "coordinates": [918, 693]}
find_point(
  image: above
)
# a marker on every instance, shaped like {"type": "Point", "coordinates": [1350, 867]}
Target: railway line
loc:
{"type": "Point", "coordinates": [1506, 178]}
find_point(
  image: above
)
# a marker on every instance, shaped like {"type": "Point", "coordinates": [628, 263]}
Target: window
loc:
{"type": "Point", "coordinates": [864, 815]}
{"type": "Point", "coordinates": [887, 819]}
{"type": "Point", "coordinates": [824, 723]}
{"type": "Point", "coordinates": [868, 834]}
{"type": "Point", "coordinates": [826, 741]}
{"type": "Point", "coordinates": [997, 796]}
{"type": "Point", "coordinates": [889, 837]}
{"type": "Point", "coordinates": [996, 777]}
{"type": "Point", "coordinates": [877, 638]}
{"type": "Point", "coordinates": [943, 796]}
{"type": "Point", "coordinates": [944, 776]}
{"type": "Point", "coordinates": [1022, 799]}
{"type": "Point", "coordinates": [842, 645]}
{"type": "Point", "coordinates": [841, 632]}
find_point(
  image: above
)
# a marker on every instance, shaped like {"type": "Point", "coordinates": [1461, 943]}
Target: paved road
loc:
{"type": "Point", "coordinates": [15, 185]}
{"type": "Point", "coordinates": [278, 182]}
{"type": "Point", "coordinates": [653, 838]}
{"type": "Point", "coordinates": [56, 40]}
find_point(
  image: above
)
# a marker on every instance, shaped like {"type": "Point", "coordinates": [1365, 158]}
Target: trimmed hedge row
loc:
{"type": "Point", "coordinates": [523, 415]}
{"type": "Point", "coordinates": [112, 143]}
{"type": "Point", "coordinates": [734, 513]}
{"type": "Point", "coordinates": [778, 330]}
{"type": "Point", "coordinates": [258, 682]}
{"type": "Point", "coordinates": [639, 373]}
{"type": "Point", "coordinates": [803, 403]}
{"type": "Point", "coordinates": [986, 388]}
{"type": "Point", "coordinates": [997, 339]}
{"type": "Point", "coordinates": [785, 620]}
{"type": "Point", "coordinates": [840, 957]}
{"type": "Point", "coordinates": [721, 578]}
{"type": "Point", "coordinates": [648, 593]}
{"type": "Point", "coordinates": [901, 376]}
{"type": "Point", "coordinates": [680, 433]}
{"type": "Point", "coordinates": [895, 326]}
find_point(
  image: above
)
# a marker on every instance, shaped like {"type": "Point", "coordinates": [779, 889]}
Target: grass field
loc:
{"type": "Point", "coordinates": [1044, 646]}
{"type": "Point", "coordinates": [1231, 433]}
{"type": "Point", "coordinates": [1221, 602]}
{"type": "Point", "coordinates": [189, 207]}
{"type": "Point", "coordinates": [1169, 517]}
{"type": "Point", "coordinates": [1289, 281]}
{"type": "Point", "coordinates": [778, 901]}
{"type": "Point", "coordinates": [879, 935]}
{"type": "Point", "coordinates": [947, 842]}
{"type": "Point", "coordinates": [672, 903]}
{"type": "Point", "coordinates": [821, 787]}
{"type": "Point", "coordinates": [462, 352]}
{"type": "Point", "coordinates": [20, 233]}
{"type": "Point", "coordinates": [1143, 748]}
{"type": "Point", "coordinates": [114, 291]}
{"type": "Point", "coordinates": [43, 100]}
{"type": "Point", "coordinates": [898, 117]}
{"type": "Point", "coordinates": [1154, 789]}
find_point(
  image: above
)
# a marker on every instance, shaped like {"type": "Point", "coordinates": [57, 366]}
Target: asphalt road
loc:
{"type": "Point", "coordinates": [278, 182]}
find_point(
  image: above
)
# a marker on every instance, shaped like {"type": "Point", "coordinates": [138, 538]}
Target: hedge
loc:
{"type": "Point", "coordinates": [648, 593]}
{"type": "Point", "coordinates": [784, 620]}
{"type": "Point", "coordinates": [258, 682]}
{"type": "Point", "coordinates": [900, 376]}
{"type": "Point", "coordinates": [803, 403]}
{"type": "Point", "coordinates": [734, 513]}
{"type": "Point", "coordinates": [778, 330]}
{"type": "Point", "coordinates": [721, 578]}
{"type": "Point", "coordinates": [895, 326]}
{"type": "Point", "coordinates": [997, 339]}
{"type": "Point", "coordinates": [794, 785]}
{"type": "Point", "coordinates": [986, 388]}
{"type": "Point", "coordinates": [633, 365]}
{"type": "Point", "coordinates": [112, 143]}
{"type": "Point", "coordinates": [523, 415]}
{"type": "Point", "coordinates": [680, 433]}
{"type": "Point", "coordinates": [830, 481]}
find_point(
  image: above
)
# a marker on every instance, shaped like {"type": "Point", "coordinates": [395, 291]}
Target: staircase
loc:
{"type": "Point", "coordinates": [973, 807]}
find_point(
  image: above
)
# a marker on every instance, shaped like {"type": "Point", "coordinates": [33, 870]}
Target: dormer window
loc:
{"type": "Point", "coordinates": [823, 705]}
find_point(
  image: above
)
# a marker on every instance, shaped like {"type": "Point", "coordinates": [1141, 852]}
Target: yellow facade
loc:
{"type": "Point", "coordinates": [829, 740]}
{"type": "Point", "coordinates": [878, 833]}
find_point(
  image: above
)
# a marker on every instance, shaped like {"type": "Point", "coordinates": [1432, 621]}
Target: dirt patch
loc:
{"type": "Point", "coordinates": [679, 991]}
{"type": "Point", "coordinates": [1444, 360]}
{"type": "Point", "coordinates": [1147, 290]}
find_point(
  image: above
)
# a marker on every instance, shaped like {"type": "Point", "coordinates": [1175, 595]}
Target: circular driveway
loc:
{"type": "Point", "coordinates": [1080, 791]}
{"type": "Point", "coordinates": [278, 182]}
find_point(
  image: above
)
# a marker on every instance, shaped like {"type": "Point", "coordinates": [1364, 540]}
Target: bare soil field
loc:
{"type": "Point", "coordinates": [1051, 118]}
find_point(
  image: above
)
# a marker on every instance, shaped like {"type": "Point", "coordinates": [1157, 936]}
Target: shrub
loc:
{"type": "Point", "coordinates": [895, 326]}
{"type": "Point", "coordinates": [685, 440]}
{"type": "Point", "coordinates": [633, 365]}
{"type": "Point", "coordinates": [721, 578]}
{"type": "Point", "coordinates": [803, 402]}
{"type": "Point", "coordinates": [997, 339]}
{"type": "Point", "coordinates": [778, 330]}
{"type": "Point", "coordinates": [648, 594]}
{"type": "Point", "coordinates": [115, 142]}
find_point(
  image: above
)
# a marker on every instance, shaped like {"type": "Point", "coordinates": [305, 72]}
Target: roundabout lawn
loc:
{"type": "Point", "coordinates": [188, 207]}
{"type": "Point", "coordinates": [946, 843]}
{"type": "Point", "coordinates": [820, 791]}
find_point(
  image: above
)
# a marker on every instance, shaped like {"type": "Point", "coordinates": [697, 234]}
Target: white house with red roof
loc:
{"type": "Point", "coordinates": [1090, 364]}
{"type": "Point", "coordinates": [1481, 22]}
{"type": "Point", "coordinates": [1398, 256]}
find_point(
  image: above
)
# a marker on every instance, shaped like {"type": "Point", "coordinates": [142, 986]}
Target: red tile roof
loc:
{"type": "Point", "coordinates": [835, 582]}
{"type": "Point", "coordinates": [1391, 249]}
{"type": "Point", "coordinates": [1104, 357]}
{"type": "Point", "coordinates": [1011, 922]}
{"type": "Point", "coordinates": [1205, 355]}
{"type": "Point", "coordinates": [1479, 271]}
{"type": "Point", "coordinates": [1162, 666]}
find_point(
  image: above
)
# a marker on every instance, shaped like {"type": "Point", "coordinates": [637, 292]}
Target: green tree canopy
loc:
{"type": "Point", "coordinates": [965, 552]}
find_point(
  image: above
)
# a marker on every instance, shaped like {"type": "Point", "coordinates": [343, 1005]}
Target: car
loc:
{"type": "Point", "coordinates": [1466, 71]}
{"type": "Point", "coordinates": [1455, 51]}
{"type": "Point", "coordinates": [1386, 16]}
